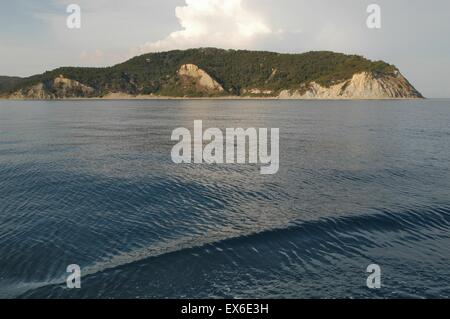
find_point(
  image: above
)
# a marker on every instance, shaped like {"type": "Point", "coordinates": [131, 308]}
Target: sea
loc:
{"type": "Point", "coordinates": [92, 183]}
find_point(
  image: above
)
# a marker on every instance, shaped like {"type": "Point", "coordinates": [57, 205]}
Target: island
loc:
{"type": "Point", "coordinates": [218, 73]}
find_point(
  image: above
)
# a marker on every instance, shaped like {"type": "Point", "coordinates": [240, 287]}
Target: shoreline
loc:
{"type": "Point", "coordinates": [225, 98]}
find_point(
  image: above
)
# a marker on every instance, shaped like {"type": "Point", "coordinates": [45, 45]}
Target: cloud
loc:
{"type": "Point", "coordinates": [216, 23]}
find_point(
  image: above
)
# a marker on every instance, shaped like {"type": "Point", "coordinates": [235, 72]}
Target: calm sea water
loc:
{"type": "Point", "coordinates": [92, 183]}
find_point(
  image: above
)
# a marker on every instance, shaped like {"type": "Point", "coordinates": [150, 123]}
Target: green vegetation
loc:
{"type": "Point", "coordinates": [235, 70]}
{"type": "Point", "coordinates": [7, 83]}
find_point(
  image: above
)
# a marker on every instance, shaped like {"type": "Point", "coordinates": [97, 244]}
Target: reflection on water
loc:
{"type": "Point", "coordinates": [92, 183]}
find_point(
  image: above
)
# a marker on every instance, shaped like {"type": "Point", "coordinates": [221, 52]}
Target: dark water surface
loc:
{"type": "Point", "coordinates": [92, 183]}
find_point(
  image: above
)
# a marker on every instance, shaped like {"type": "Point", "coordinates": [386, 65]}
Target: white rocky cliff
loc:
{"type": "Point", "coordinates": [362, 86]}
{"type": "Point", "coordinates": [60, 87]}
{"type": "Point", "coordinates": [201, 79]}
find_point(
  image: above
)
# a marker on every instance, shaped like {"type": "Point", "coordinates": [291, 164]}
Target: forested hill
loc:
{"type": "Point", "coordinates": [9, 82]}
{"type": "Point", "coordinates": [235, 72]}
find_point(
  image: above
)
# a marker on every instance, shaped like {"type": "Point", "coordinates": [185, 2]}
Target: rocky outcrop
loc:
{"type": "Point", "coordinates": [199, 78]}
{"type": "Point", "coordinates": [363, 85]}
{"type": "Point", "coordinates": [33, 92]}
{"type": "Point", "coordinates": [67, 87]}
{"type": "Point", "coordinates": [59, 88]}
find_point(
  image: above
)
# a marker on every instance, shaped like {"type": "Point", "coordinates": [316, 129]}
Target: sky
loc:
{"type": "Point", "coordinates": [414, 34]}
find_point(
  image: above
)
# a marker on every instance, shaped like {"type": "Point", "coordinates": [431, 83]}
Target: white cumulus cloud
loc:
{"type": "Point", "coordinates": [216, 23]}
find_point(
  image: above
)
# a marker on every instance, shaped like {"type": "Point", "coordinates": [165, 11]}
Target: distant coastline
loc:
{"type": "Point", "coordinates": [223, 98]}
{"type": "Point", "coordinates": [209, 73]}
